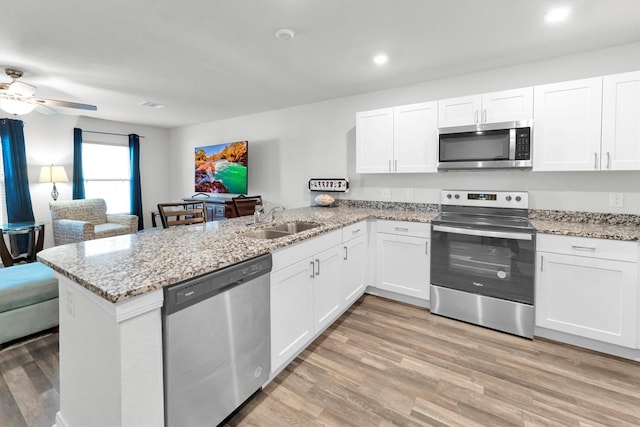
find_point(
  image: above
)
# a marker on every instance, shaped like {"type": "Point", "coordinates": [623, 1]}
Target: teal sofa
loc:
{"type": "Point", "coordinates": [28, 300]}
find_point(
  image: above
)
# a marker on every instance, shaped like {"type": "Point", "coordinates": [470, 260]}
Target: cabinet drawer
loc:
{"type": "Point", "coordinates": [419, 229]}
{"type": "Point", "coordinates": [354, 230]}
{"type": "Point", "coordinates": [588, 247]}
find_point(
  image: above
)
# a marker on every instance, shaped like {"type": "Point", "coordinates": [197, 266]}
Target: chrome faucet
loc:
{"type": "Point", "coordinates": [259, 213]}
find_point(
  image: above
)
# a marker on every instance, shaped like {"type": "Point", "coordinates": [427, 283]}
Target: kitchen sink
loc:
{"type": "Point", "coordinates": [282, 230]}
{"type": "Point", "coordinates": [294, 227]}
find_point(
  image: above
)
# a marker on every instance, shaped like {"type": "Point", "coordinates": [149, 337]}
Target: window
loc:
{"type": "Point", "coordinates": [107, 175]}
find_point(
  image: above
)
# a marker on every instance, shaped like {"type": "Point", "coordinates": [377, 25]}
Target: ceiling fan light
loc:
{"type": "Point", "coordinates": [15, 106]}
{"type": "Point", "coordinates": [21, 89]}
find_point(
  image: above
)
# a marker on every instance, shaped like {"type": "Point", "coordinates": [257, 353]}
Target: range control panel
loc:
{"type": "Point", "coordinates": [496, 199]}
{"type": "Point", "coordinates": [336, 185]}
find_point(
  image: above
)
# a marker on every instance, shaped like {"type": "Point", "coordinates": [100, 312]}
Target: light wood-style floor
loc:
{"type": "Point", "coordinates": [385, 363]}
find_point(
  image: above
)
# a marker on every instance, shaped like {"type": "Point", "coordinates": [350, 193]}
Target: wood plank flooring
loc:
{"type": "Point", "coordinates": [385, 363]}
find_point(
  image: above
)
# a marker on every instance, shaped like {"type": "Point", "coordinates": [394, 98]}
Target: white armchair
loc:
{"type": "Point", "coordinates": [87, 219]}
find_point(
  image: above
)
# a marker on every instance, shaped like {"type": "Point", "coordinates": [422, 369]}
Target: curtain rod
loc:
{"type": "Point", "coordinates": [108, 133]}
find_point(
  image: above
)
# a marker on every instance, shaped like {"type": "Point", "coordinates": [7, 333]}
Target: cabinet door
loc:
{"type": "Point", "coordinates": [374, 141]}
{"type": "Point", "coordinates": [291, 311]}
{"type": "Point", "coordinates": [588, 297]}
{"type": "Point", "coordinates": [459, 111]}
{"type": "Point", "coordinates": [415, 137]}
{"type": "Point", "coordinates": [567, 125]}
{"type": "Point", "coordinates": [403, 265]}
{"type": "Point", "coordinates": [327, 300]}
{"type": "Point", "coordinates": [621, 122]}
{"type": "Point", "coordinates": [354, 269]}
{"type": "Point", "coordinates": [507, 105]}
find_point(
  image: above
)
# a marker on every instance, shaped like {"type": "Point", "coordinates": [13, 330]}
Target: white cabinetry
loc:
{"type": "Point", "coordinates": [567, 127]}
{"type": "Point", "coordinates": [588, 288]}
{"type": "Point", "coordinates": [398, 139]}
{"type": "Point", "coordinates": [295, 310]}
{"type": "Point", "coordinates": [495, 107]}
{"type": "Point", "coordinates": [621, 122]}
{"type": "Point", "coordinates": [402, 258]}
{"type": "Point", "coordinates": [355, 247]}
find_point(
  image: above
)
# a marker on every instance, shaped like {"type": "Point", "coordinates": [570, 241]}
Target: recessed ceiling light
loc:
{"type": "Point", "coordinates": [285, 34]}
{"type": "Point", "coordinates": [380, 59]}
{"type": "Point", "coordinates": [557, 15]}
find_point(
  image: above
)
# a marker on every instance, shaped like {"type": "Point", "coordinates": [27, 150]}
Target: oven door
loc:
{"type": "Point", "coordinates": [491, 263]}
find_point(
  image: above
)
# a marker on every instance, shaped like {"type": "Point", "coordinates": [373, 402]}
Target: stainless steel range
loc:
{"type": "Point", "coordinates": [483, 260]}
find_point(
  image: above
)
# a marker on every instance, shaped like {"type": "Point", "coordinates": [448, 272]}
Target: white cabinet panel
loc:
{"type": "Point", "coordinates": [621, 122]}
{"type": "Point", "coordinates": [291, 311]}
{"type": "Point", "coordinates": [327, 300]}
{"type": "Point", "coordinates": [567, 125]}
{"type": "Point", "coordinates": [403, 265]}
{"type": "Point", "coordinates": [588, 297]}
{"type": "Point", "coordinates": [507, 105]}
{"type": "Point", "coordinates": [354, 269]}
{"type": "Point", "coordinates": [374, 141]}
{"type": "Point", "coordinates": [461, 111]}
{"type": "Point", "coordinates": [415, 137]}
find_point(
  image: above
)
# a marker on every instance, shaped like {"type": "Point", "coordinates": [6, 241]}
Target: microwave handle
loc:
{"type": "Point", "coordinates": [483, 233]}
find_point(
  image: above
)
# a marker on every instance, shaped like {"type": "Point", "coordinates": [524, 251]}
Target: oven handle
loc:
{"type": "Point", "coordinates": [484, 233]}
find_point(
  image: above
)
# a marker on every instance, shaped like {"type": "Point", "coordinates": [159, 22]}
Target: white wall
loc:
{"type": "Point", "coordinates": [49, 139]}
{"type": "Point", "coordinates": [289, 146]}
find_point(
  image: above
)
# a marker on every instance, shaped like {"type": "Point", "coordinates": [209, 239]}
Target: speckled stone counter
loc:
{"type": "Point", "coordinates": [121, 267]}
{"type": "Point", "coordinates": [586, 224]}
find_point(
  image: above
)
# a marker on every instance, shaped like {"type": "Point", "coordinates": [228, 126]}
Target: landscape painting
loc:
{"type": "Point", "coordinates": [221, 168]}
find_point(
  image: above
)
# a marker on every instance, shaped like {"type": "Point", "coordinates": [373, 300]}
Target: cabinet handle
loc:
{"type": "Point", "coordinates": [346, 253]}
{"type": "Point", "coordinates": [541, 262]}
{"type": "Point", "coordinates": [402, 229]}
{"type": "Point", "coordinates": [484, 116]}
{"type": "Point", "coordinates": [318, 265]}
{"type": "Point", "coordinates": [608, 160]}
{"type": "Point", "coordinates": [396, 166]}
{"type": "Point", "coordinates": [475, 117]}
{"type": "Point", "coordinates": [389, 165]}
{"type": "Point", "coordinates": [426, 248]}
{"type": "Point", "coordinates": [595, 160]}
{"type": "Point", "coordinates": [356, 231]}
{"type": "Point", "coordinates": [312, 269]}
{"type": "Point", "coordinates": [583, 248]}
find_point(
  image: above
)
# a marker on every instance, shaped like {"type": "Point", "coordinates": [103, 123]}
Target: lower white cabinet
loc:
{"type": "Point", "coordinates": [354, 269]}
{"type": "Point", "coordinates": [327, 275]}
{"type": "Point", "coordinates": [402, 258]}
{"type": "Point", "coordinates": [588, 288]}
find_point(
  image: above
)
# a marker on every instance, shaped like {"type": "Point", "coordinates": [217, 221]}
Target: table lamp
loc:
{"type": "Point", "coordinates": [53, 174]}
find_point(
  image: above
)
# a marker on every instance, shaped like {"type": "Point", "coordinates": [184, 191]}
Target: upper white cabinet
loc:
{"type": "Point", "coordinates": [398, 139]}
{"type": "Point", "coordinates": [621, 122]}
{"type": "Point", "coordinates": [495, 107]}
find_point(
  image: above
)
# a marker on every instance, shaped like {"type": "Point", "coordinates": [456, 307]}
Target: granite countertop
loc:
{"type": "Point", "coordinates": [121, 267]}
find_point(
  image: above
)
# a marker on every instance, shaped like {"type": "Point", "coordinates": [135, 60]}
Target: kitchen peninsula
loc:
{"type": "Point", "coordinates": [111, 298]}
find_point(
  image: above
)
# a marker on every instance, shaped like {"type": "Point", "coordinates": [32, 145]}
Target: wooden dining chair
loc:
{"type": "Point", "coordinates": [184, 213]}
{"type": "Point", "coordinates": [246, 205]}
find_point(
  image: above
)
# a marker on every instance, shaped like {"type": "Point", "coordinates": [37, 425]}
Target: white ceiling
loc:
{"type": "Point", "coordinates": [213, 59]}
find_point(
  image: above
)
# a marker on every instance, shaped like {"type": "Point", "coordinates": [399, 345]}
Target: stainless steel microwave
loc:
{"type": "Point", "coordinates": [488, 146]}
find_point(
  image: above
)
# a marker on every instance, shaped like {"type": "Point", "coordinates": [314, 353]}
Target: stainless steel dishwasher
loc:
{"type": "Point", "coordinates": [216, 342]}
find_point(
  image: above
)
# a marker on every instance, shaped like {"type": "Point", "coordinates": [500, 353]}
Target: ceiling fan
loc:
{"type": "Point", "coordinates": [18, 98]}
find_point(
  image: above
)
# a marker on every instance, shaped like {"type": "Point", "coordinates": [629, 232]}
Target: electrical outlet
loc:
{"type": "Point", "coordinates": [70, 305]}
{"type": "Point", "coordinates": [385, 194]}
{"type": "Point", "coordinates": [616, 200]}
{"type": "Point", "coordinates": [408, 194]}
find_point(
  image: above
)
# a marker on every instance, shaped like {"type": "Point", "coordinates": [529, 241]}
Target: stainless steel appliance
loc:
{"type": "Point", "coordinates": [483, 260]}
{"type": "Point", "coordinates": [216, 342]}
{"type": "Point", "coordinates": [487, 145]}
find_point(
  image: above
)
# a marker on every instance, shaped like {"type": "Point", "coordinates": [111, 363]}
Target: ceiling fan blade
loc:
{"type": "Point", "coordinates": [43, 109]}
{"type": "Point", "coordinates": [66, 104]}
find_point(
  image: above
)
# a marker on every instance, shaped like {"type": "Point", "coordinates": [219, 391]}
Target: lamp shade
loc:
{"type": "Point", "coordinates": [15, 106]}
{"type": "Point", "coordinates": [53, 174]}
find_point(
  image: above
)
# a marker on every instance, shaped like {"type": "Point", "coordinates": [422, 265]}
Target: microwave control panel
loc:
{"type": "Point", "coordinates": [523, 144]}
{"type": "Point", "coordinates": [336, 185]}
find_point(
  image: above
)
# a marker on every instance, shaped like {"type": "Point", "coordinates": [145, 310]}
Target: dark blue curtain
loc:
{"type": "Point", "coordinates": [16, 179]}
{"type": "Point", "coordinates": [136, 191]}
{"type": "Point", "coordinates": [78, 175]}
